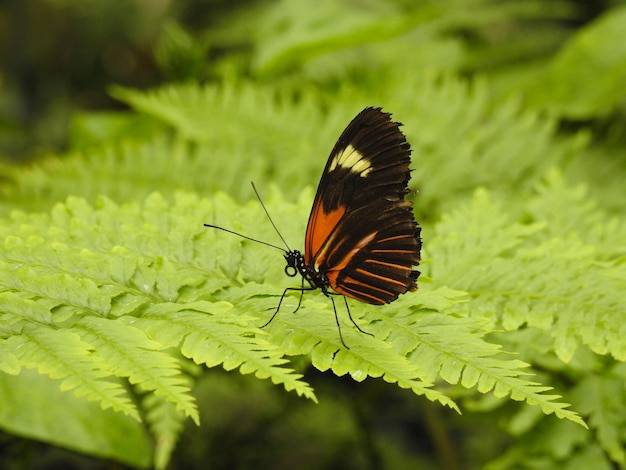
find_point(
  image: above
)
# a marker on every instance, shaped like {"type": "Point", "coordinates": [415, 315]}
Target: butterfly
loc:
{"type": "Point", "coordinates": [362, 240]}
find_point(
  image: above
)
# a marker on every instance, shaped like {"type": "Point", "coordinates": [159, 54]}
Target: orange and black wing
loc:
{"type": "Point", "coordinates": [362, 235]}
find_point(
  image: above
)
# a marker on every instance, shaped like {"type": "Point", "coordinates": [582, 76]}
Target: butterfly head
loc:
{"type": "Point", "coordinates": [295, 261]}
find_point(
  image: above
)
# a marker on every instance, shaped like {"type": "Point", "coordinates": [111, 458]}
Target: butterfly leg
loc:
{"type": "Point", "coordinates": [301, 289]}
{"type": "Point", "coordinates": [338, 325]}
{"type": "Point", "coordinates": [329, 295]}
{"type": "Point", "coordinates": [345, 299]}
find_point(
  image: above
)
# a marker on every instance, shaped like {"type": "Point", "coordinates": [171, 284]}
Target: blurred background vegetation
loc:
{"type": "Point", "coordinates": [60, 56]}
{"type": "Point", "coordinates": [66, 71]}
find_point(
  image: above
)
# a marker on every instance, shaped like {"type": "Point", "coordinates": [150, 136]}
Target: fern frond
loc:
{"type": "Point", "coordinates": [129, 281]}
{"type": "Point", "coordinates": [499, 146]}
{"type": "Point", "coordinates": [77, 282]}
{"type": "Point", "coordinates": [62, 354]}
{"type": "Point", "coordinates": [419, 348]}
{"type": "Point", "coordinates": [454, 353]}
{"type": "Point", "coordinates": [166, 425]}
{"type": "Point", "coordinates": [261, 134]}
{"type": "Point", "coordinates": [132, 355]}
{"type": "Point", "coordinates": [553, 284]}
{"type": "Point", "coordinates": [567, 209]}
{"type": "Point", "coordinates": [220, 337]}
{"type": "Point", "coordinates": [116, 164]}
{"type": "Point", "coordinates": [247, 133]}
{"type": "Point", "coordinates": [313, 331]}
{"type": "Point", "coordinates": [249, 127]}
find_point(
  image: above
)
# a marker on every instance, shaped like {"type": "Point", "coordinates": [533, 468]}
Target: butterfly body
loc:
{"type": "Point", "coordinates": [362, 240]}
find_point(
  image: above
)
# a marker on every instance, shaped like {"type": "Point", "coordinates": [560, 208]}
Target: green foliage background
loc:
{"type": "Point", "coordinates": [129, 332]}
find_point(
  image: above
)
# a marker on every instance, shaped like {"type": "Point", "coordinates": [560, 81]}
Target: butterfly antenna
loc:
{"type": "Point", "coordinates": [268, 215]}
{"type": "Point", "coordinates": [244, 236]}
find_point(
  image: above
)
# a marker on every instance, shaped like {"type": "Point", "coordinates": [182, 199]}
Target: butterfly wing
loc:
{"type": "Point", "coordinates": [362, 235]}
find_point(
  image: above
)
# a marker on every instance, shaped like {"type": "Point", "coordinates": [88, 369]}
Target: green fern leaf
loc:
{"type": "Point", "coordinates": [63, 355]}
{"type": "Point", "coordinates": [126, 282]}
{"type": "Point", "coordinates": [210, 334]}
{"type": "Point", "coordinates": [498, 146]}
{"type": "Point", "coordinates": [131, 354]}
{"type": "Point", "coordinates": [166, 425]}
{"type": "Point", "coordinates": [462, 358]}
{"type": "Point", "coordinates": [563, 290]}
{"type": "Point", "coordinates": [567, 209]}
{"type": "Point", "coordinates": [91, 274]}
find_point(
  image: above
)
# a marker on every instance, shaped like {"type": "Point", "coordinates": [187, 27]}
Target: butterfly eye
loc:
{"type": "Point", "coordinates": [290, 271]}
